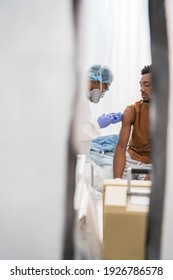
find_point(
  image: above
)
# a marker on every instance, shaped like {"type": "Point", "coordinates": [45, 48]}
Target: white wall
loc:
{"type": "Point", "coordinates": [36, 54]}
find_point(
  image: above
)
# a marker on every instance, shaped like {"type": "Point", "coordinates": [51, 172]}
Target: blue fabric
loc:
{"type": "Point", "coordinates": [102, 149]}
{"type": "Point", "coordinates": [105, 143]}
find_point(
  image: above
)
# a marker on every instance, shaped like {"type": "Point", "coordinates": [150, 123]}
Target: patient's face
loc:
{"type": "Point", "coordinates": [146, 87]}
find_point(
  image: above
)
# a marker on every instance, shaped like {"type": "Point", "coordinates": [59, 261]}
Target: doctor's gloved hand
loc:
{"type": "Point", "coordinates": [117, 117]}
{"type": "Point", "coordinates": [104, 120]}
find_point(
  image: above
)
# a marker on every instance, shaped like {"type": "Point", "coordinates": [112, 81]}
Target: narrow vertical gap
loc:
{"type": "Point", "coordinates": [68, 246]}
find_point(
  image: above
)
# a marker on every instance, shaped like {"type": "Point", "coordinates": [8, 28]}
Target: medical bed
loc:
{"type": "Point", "coordinates": [88, 207]}
{"type": "Point", "coordinates": [96, 235]}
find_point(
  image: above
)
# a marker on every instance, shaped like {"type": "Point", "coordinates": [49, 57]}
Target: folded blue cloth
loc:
{"type": "Point", "coordinates": [105, 143]}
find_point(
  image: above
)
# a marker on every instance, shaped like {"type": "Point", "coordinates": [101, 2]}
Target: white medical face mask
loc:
{"type": "Point", "coordinates": [95, 94]}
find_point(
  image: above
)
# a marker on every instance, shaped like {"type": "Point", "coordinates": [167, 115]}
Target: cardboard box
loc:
{"type": "Point", "coordinates": [125, 219]}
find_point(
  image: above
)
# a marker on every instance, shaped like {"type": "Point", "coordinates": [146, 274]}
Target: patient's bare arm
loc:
{"type": "Point", "coordinates": [120, 151]}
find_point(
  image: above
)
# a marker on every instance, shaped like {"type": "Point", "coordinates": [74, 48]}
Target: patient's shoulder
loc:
{"type": "Point", "coordinates": [128, 115]}
{"type": "Point", "coordinates": [132, 110]}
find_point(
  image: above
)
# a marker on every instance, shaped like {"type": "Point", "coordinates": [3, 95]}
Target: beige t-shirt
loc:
{"type": "Point", "coordinates": [140, 140]}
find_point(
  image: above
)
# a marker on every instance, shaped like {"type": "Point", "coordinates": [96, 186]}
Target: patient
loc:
{"type": "Point", "coordinates": [135, 117]}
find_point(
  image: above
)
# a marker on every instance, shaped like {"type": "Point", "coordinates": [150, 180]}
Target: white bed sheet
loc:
{"type": "Point", "coordinates": [88, 204]}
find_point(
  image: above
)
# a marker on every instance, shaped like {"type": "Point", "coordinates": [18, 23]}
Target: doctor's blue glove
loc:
{"type": "Point", "coordinates": [117, 117]}
{"type": "Point", "coordinates": [104, 120]}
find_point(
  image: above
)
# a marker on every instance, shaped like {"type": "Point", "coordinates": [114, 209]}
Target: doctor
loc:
{"type": "Point", "coordinates": [99, 79]}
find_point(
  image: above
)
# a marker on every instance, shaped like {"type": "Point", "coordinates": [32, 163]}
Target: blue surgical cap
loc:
{"type": "Point", "coordinates": [100, 73]}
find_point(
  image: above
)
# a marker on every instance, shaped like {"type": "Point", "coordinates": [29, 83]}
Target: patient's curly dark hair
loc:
{"type": "Point", "coordinates": [146, 70]}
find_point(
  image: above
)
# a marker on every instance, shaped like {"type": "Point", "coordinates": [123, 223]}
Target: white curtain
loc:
{"type": "Point", "coordinates": [116, 34]}
{"type": "Point", "coordinates": [37, 56]}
